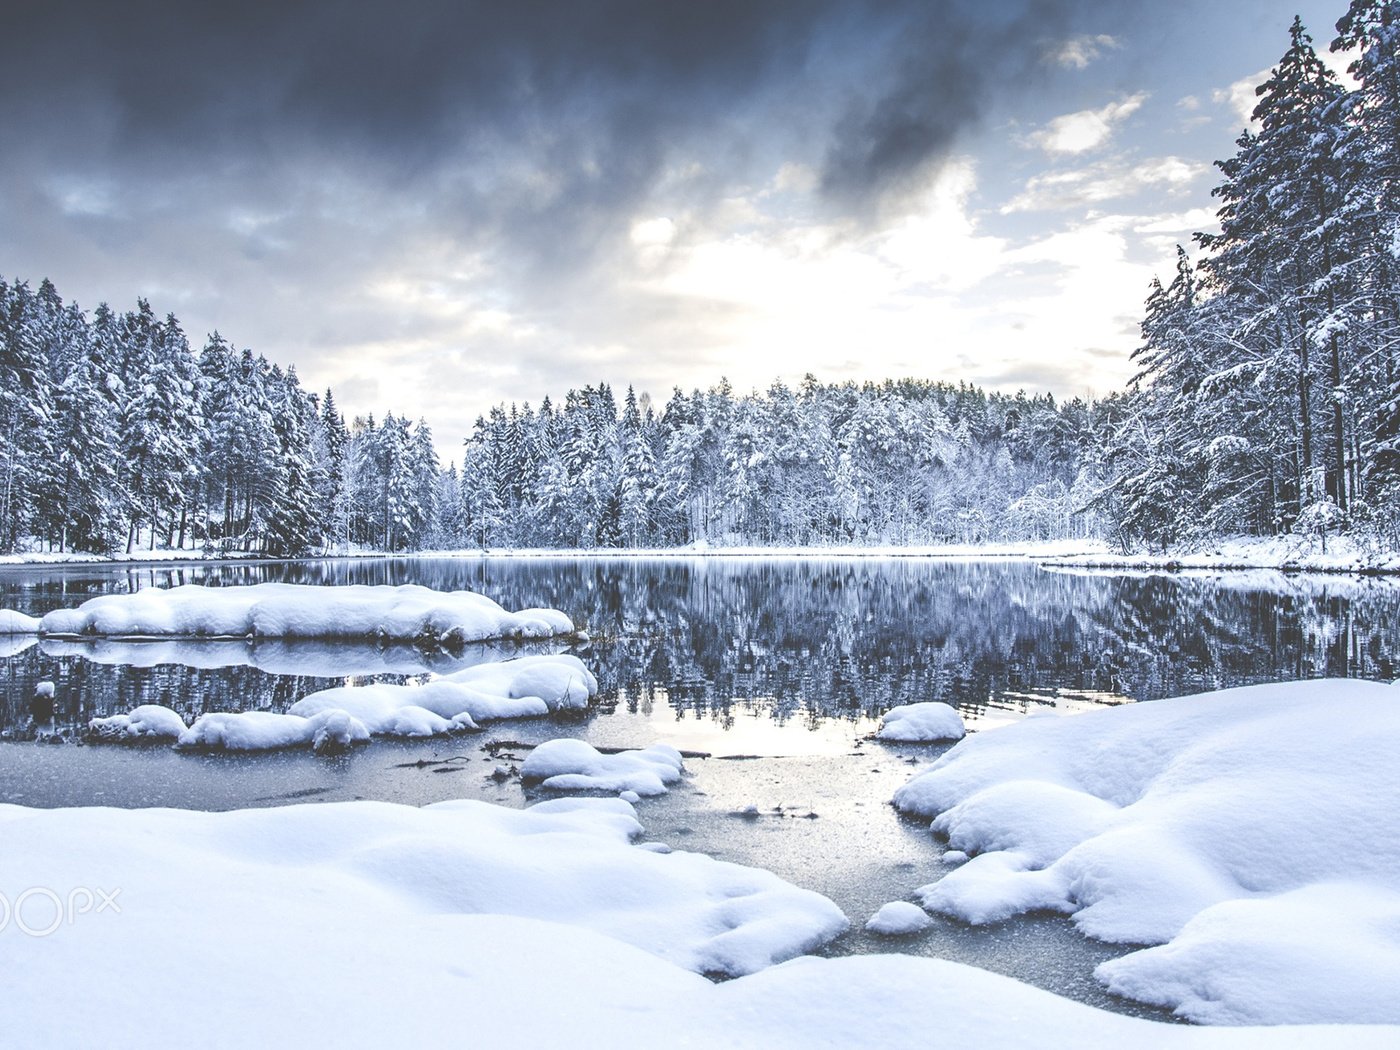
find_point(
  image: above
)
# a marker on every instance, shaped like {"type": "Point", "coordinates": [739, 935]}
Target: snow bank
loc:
{"type": "Point", "coordinates": [287, 610]}
{"type": "Point", "coordinates": [572, 765]}
{"type": "Point", "coordinates": [12, 622]}
{"type": "Point", "coordinates": [1244, 830]}
{"type": "Point", "coordinates": [520, 688]}
{"type": "Point", "coordinates": [1343, 554]}
{"type": "Point", "coordinates": [147, 722]}
{"type": "Point", "coordinates": [921, 723]}
{"type": "Point", "coordinates": [545, 920]}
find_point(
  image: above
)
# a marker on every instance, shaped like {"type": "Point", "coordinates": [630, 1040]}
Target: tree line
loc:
{"type": "Point", "coordinates": [114, 434]}
{"type": "Point", "coordinates": [1267, 400]}
{"type": "Point", "coordinates": [1268, 396]}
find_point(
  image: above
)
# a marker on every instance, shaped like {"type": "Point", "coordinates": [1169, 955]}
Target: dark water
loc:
{"type": "Point", "coordinates": [786, 661]}
{"type": "Point", "coordinates": [792, 641]}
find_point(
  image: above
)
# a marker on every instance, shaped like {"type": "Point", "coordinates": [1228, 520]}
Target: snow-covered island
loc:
{"type": "Point", "coordinates": [286, 610]}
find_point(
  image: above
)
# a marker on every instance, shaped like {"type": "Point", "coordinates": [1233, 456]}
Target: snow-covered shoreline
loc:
{"type": "Point", "coordinates": [1285, 553]}
{"type": "Point", "coordinates": [1248, 833]}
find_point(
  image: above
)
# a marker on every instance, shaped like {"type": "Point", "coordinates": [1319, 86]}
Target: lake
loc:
{"type": "Point", "coordinates": [777, 668]}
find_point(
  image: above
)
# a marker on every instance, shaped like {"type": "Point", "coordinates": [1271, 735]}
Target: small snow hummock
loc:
{"type": "Point", "coordinates": [571, 765]}
{"type": "Point", "coordinates": [147, 722]}
{"type": "Point", "coordinates": [12, 622]}
{"type": "Point", "coordinates": [1242, 831]}
{"type": "Point", "coordinates": [899, 918]}
{"type": "Point", "coordinates": [921, 723]}
{"type": "Point", "coordinates": [289, 610]}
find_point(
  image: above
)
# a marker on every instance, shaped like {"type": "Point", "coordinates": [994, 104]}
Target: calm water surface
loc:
{"type": "Point", "coordinates": [778, 668]}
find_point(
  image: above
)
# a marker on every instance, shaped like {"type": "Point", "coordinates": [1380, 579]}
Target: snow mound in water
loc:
{"type": "Point", "coordinates": [1192, 823]}
{"type": "Point", "coordinates": [898, 918]}
{"type": "Point", "coordinates": [12, 622]}
{"type": "Point", "coordinates": [921, 723]}
{"type": "Point", "coordinates": [520, 688]}
{"type": "Point", "coordinates": [287, 610]}
{"type": "Point", "coordinates": [334, 719]}
{"type": "Point", "coordinates": [267, 731]}
{"type": "Point", "coordinates": [572, 765]}
{"type": "Point", "coordinates": [149, 722]}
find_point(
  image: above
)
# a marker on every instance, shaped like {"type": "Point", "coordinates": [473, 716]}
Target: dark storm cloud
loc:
{"type": "Point", "coordinates": [953, 60]}
{"type": "Point", "coordinates": [596, 92]}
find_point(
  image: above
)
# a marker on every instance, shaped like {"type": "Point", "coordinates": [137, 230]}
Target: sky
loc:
{"type": "Point", "coordinates": [435, 207]}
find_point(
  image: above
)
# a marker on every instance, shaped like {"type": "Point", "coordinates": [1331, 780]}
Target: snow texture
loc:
{"type": "Point", "coordinates": [147, 722]}
{"type": "Point", "coordinates": [899, 918]}
{"type": "Point", "coordinates": [572, 765]}
{"type": "Point", "coordinates": [518, 913]}
{"type": "Point", "coordinates": [287, 610]}
{"type": "Point", "coordinates": [922, 723]}
{"type": "Point", "coordinates": [1247, 832]}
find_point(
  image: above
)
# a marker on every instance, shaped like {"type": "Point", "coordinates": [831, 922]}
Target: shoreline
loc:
{"type": "Point", "coordinates": [1283, 554]}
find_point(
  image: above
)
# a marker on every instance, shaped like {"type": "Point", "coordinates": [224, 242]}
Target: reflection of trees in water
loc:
{"type": "Point", "coordinates": [806, 639]}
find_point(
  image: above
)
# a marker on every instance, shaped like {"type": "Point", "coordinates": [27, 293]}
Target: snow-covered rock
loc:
{"type": "Point", "coordinates": [1248, 832]}
{"type": "Point", "coordinates": [572, 765]}
{"type": "Point", "coordinates": [899, 918]}
{"type": "Point", "coordinates": [268, 730]}
{"type": "Point", "coordinates": [922, 723]}
{"type": "Point", "coordinates": [287, 610]}
{"type": "Point", "coordinates": [147, 722]}
{"type": "Point", "coordinates": [12, 622]}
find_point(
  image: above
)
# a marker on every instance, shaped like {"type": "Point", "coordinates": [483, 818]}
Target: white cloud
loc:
{"type": "Point", "coordinates": [1077, 52]}
{"type": "Point", "coordinates": [1240, 96]}
{"type": "Point", "coordinates": [1088, 129]}
{"type": "Point", "coordinates": [1106, 180]}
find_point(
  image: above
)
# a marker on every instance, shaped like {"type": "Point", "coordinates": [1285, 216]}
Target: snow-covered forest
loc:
{"type": "Point", "coordinates": [1267, 400]}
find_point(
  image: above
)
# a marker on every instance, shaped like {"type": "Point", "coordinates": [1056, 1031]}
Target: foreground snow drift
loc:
{"type": "Point", "coordinates": [1250, 832]}
{"type": "Point", "coordinates": [288, 610]}
{"type": "Point", "coordinates": [371, 925]}
{"type": "Point", "coordinates": [376, 863]}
